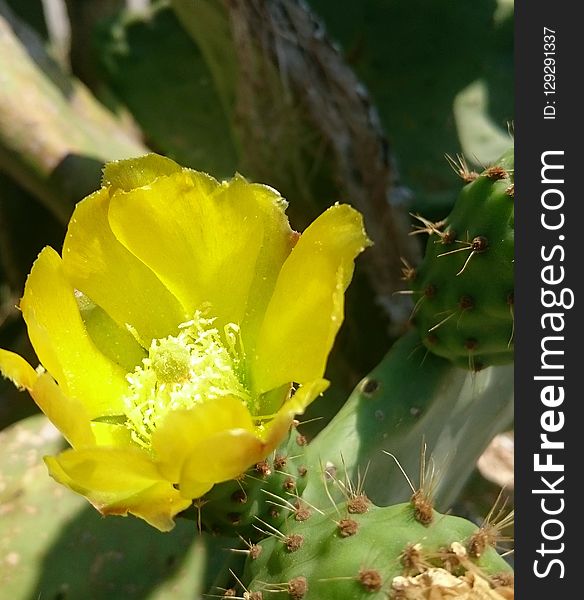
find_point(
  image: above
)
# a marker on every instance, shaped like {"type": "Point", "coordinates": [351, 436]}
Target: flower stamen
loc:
{"type": "Point", "coordinates": [200, 364]}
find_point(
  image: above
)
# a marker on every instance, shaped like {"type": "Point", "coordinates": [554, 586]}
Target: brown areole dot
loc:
{"type": "Point", "coordinates": [297, 588]}
{"type": "Point", "coordinates": [370, 386]}
{"type": "Point", "coordinates": [460, 167]}
{"type": "Point", "coordinates": [495, 173]}
{"type": "Point", "coordinates": [479, 243]}
{"type": "Point", "coordinates": [478, 543]}
{"type": "Point", "coordinates": [408, 272]}
{"type": "Point", "coordinates": [471, 344]}
{"type": "Point", "coordinates": [294, 542]}
{"type": "Point", "coordinates": [280, 462]}
{"type": "Point", "coordinates": [466, 302]}
{"type": "Point", "coordinates": [301, 512]}
{"type": "Point", "coordinates": [449, 237]}
{"type": "Point", "coordinates": [448, 559]}
{"type": "Point", "coordinates": [370, 579]}
{"type": "Point", "coordinates": [239, 497]}
{"type": "Point", "coordinates": [431, 339]}
{"type": "Point", "coordinates": [358, 504]}
{"type": "Point", "coordinates": [430, 291]}
{"type": "Point", "coordinates": [263, 468]}
{"type": "Point", "coordinates": [423, 507]}
{"type": "Point", "coordinates": [348, 527]}
{"type": "Point", "coordinates": [289, 484]}
{"type": "Point", "coordinates": [411, 559]}
{"type": "Point", "coordinates": [301, 440]}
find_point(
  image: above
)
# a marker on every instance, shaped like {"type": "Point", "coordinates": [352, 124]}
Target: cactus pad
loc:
{"type": "Point", "coordinates": [464, 287]}
{"type": "Point", "coordinates": [374, 554]}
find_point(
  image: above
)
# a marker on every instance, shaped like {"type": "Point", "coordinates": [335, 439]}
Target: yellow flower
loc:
{"type": "Point", "coordinates": [182, 330]}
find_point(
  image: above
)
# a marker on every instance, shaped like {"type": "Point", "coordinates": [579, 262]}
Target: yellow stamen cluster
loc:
{"type": "Point", "coordinates": [200, 364]}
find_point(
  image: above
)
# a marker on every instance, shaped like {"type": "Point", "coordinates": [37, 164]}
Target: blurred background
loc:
{"type": "Point", "coordinates": [356, 101]}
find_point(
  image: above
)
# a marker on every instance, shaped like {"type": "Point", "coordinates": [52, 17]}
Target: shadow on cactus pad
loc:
{"type": "Point", "coordinates": [54, 546]}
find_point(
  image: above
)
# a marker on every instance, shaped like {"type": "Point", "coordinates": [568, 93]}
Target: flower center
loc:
{"type": "Point", "coordinates": [199, 364]}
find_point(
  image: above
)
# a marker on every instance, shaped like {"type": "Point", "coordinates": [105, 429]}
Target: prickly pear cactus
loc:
{"type": "Point", "coordinates": [357, 550]}
{"type": "Point", "coordinates": [262, 493]}
{"type": "Point", "coordinates": [464, 286]}
{"type": "Point", "coordinates": [237, 85]}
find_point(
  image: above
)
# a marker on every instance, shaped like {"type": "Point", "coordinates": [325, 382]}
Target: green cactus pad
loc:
{"type": "Point", "coordinates": [340, 554]}
{"type": "Point", "coordinates": [464, 287]}
{"type": "Point", "coordinates": [268, 491]}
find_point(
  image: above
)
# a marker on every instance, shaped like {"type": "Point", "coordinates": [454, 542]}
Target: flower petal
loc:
{"type": "Point", "coordinates": [229, 453]}
{"type": "Point", "coordinates": [277, 429]}
{"type": "Point", "coordinates": [279, 399]}
{"type": "Point", "coordinates": [306, 309]}
{"type": "Point", "coordinates": [157, 505]}
{"type": "Point", "coordinates": [113, 341]}
{"type": "Point", "coordinates": [218, 441]}
{"type": "Point", "coordinates": [15, 368]}
{"type": "Point", "coordinates": [305, 395]}
{"type": "Point", "coordinates": [220, 457]}
{"type": "Point", "coordinates": [131, 173]}
{"type": "Point", "coordinates": [97, 264]}
{"type": "Point", "coordinates": [108, 434]}
{"type": "Point", "coordinates": [183, 430]}
{"type": "Point", "coordinates": [118, 482]}
{"type": "Point", "coordinates": [67, 414]}
{"type": "Point", "coordinates": [214, 243]}
{"type": "Point", "coordinates": [61, 341]}
{"type": "Point", "coordinates": [223, 456]}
